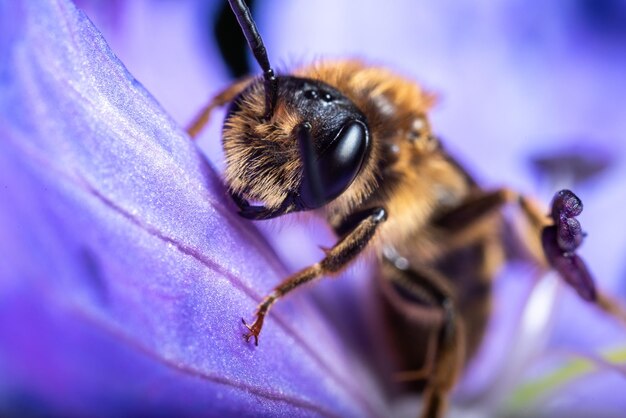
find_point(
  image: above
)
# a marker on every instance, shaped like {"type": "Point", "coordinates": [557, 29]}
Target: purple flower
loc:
{"type": "Point", "coordinates": [125, 271]}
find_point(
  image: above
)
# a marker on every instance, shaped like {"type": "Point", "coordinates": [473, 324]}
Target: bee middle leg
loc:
{"type": "Point", "coordinates": [465, 222]}
{"type": "Point", "coordinates": [336, 259]}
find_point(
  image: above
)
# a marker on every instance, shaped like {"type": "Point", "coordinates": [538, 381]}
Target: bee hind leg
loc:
{"type": "Point", "coordinates": [444, 357]}
{"type": "Point", "coordinates": [447, 365]}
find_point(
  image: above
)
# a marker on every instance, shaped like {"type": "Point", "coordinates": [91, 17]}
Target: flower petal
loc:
{"type": "Point", "coordinates": [124, 270]}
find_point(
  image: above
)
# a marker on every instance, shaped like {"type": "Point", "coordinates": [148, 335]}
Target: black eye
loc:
{"type": "Point", "coordinates": [328, 174]}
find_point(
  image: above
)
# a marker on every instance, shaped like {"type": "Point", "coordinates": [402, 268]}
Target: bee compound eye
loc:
{"type": "Point", "coordinates": [336, 166]}
{"type": "Point", "coordinates": [342, 160]}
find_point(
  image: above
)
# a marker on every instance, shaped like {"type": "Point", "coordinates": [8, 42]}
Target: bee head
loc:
{"type": "Point", "coordinates": [303, 156]}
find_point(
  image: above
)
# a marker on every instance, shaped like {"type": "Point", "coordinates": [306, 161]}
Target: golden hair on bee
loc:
{"type": "Point", "coordinates": [353, 143]}
{"type": "Point", "coordinates": [262, 164]}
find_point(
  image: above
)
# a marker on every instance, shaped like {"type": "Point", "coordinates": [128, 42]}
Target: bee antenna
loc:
{"type": "Point", "coordinates": [250, 31]}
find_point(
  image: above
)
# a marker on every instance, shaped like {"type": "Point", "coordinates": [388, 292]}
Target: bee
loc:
{"type": "Point", "coordinates": [353, 144]}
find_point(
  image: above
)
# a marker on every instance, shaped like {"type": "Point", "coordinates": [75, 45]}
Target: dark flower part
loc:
{"type": "Point", "coordinates": [566, 204]}
{"type": "Point", "coordinates": [125, 269]}
{"type": "Point", "coordinates": [569, 265]}
{"type": "Point", "coordinates": [561, 239]}
{"type": "Point", "coordinates": [577, 162]}
{"type": "Point", "coordinates": [570, 234]}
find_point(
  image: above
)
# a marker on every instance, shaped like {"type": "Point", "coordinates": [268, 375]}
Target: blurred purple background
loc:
{"type": "Point", "coordinates": [516, 79]}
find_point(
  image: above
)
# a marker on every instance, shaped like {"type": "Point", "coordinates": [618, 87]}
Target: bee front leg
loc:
{"type": "Point", "coordinates": [336, 259]}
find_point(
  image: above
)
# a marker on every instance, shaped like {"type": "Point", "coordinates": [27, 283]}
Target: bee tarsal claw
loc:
{"type": "Point", "coordinates": [254, 330]}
